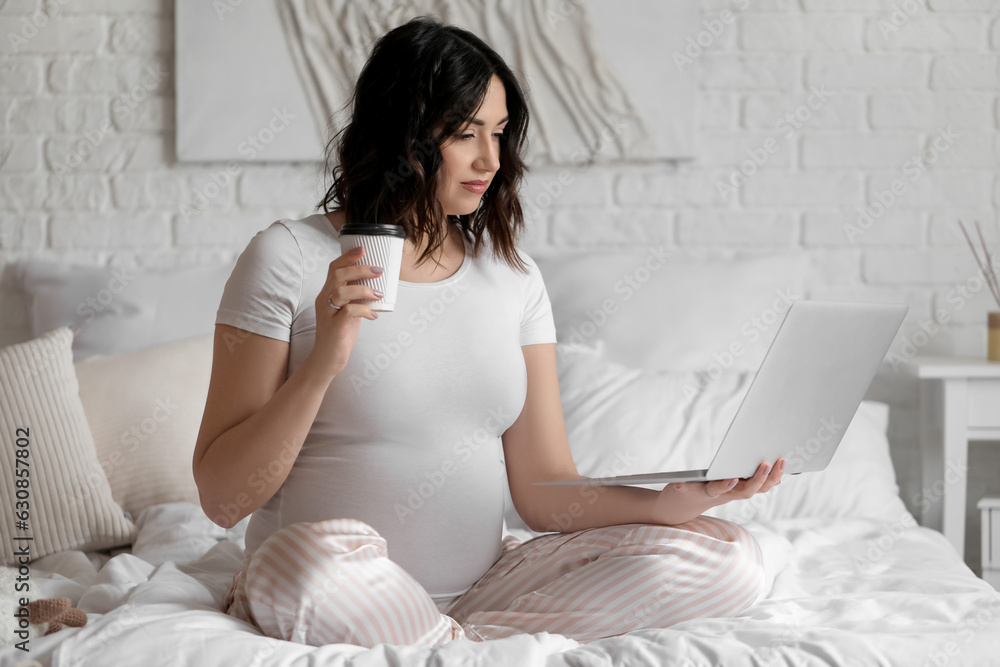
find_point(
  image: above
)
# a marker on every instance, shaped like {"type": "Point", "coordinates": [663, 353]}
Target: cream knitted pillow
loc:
{"type": "Point", "coordinates": [144, 409]}
{"type": "Point", "coordinates": [50, 478]}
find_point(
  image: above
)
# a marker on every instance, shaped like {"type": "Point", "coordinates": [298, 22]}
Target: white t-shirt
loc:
{"type": "Point", "coordinates": [407, 438]}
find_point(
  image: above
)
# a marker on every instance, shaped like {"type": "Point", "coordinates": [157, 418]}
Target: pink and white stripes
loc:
{"type": "Point", "coordinates": [332, 582]}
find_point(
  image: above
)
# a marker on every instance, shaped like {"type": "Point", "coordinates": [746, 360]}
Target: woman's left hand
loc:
{"type": "Point", "coordinates": [683, 501]}
{"type": "Point", "coordinates": [722, 491]}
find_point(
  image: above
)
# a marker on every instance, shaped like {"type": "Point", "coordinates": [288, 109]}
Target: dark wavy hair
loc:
{"type": "Point", "coordinates": [422, 83]}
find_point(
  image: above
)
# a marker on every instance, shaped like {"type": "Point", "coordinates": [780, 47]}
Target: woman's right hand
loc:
{"type": "Point", "coordinates": [337, 330]}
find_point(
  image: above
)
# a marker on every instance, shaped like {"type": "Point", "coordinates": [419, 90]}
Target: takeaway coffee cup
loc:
{"type": "Point", "coordinates": [383, 246]}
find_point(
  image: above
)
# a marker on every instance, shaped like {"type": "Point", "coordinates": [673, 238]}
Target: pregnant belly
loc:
{"type": "Point", "coordinates": [443, 524]}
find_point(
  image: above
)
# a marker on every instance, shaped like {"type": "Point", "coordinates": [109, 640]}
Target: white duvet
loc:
{"type": "Point", "coordinates": [849, 592]}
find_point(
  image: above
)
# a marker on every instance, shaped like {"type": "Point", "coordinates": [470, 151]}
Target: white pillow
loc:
{"type": "Point", "coordinates": [653, 310]}
{"type": "Point", "coordinates": [144, 409]}
{"type": "Point", "coordinates": [64, 494]}
{"type": "Point", "coordinates": [622, 421]}
{"type": "Point", "coordinates": [113, 310]}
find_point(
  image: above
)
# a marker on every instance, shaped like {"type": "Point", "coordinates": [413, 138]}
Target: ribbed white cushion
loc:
{"type": "Point", "coordinates": [69, 501]}
{"type": "Point", "coordinates": [145, 408]}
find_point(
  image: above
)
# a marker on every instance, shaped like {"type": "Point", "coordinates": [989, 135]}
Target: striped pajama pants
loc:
{"type": "Point", "coordinates": [331, 582]}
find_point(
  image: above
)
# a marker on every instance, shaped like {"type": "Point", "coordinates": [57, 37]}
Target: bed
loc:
{"type": "Point", "coordinates": [852, 579]}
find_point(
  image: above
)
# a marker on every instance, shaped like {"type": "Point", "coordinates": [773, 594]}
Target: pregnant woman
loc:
{"type": "Point", "coordinates": [371, 448]}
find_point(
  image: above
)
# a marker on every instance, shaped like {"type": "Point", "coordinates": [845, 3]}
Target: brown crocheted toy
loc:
{"type": "Point", "coordinates": [57, 612]}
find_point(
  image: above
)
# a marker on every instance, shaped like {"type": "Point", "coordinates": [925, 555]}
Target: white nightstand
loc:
{"type": "Point", "coordinates": [959, 403]}
{"type": "Point", "coordinates": [991, 540]}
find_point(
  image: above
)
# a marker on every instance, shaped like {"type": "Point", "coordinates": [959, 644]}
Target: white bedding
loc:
{"type": "Point", "coordinates": [852, 592]}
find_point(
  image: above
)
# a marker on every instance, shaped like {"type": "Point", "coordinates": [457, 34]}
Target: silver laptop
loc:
{"type": "Point", "coordinates": [802, 399]}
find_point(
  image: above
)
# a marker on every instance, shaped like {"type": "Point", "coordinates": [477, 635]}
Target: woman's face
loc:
{"type": "Point", "coordinates": [473, 154]}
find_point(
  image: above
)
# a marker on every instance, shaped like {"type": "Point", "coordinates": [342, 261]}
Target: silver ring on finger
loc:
{"type": "Point", "coordinates": [329, 298]}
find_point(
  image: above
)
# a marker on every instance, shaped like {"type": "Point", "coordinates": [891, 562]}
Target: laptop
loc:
{"type": "Point", "coordinates": [803, 397]}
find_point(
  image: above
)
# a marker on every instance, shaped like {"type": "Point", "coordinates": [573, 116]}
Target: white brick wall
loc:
{"type": "Point", "coordinates": [847, 93]}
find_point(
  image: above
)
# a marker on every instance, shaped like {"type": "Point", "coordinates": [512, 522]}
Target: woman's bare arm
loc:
{"type": "Point", "coordinates": [536, 449]}
{"type": "Point", "coordinates": [255, 420]}
{"type": "Point", "coordinates": [254, 423]}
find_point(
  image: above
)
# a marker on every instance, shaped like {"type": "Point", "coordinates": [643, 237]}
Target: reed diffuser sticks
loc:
{"type": "Point", "coordinates": [987, 264]}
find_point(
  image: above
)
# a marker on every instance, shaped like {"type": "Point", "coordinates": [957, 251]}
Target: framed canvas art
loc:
{"type": "Point", "coordinates": [267, 81]}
